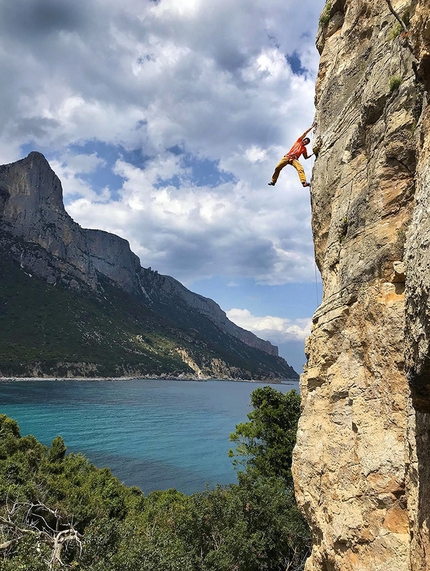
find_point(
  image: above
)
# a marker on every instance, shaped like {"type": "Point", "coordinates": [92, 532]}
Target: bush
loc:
{"type": "Point", "coordinates": [395, 82]}
{"type": "Point", "coordinates": [265, 443]}
{"type": "Point", "coordinates": [325, 14]}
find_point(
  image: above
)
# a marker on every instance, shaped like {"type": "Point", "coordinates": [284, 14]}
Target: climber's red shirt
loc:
{"type": "Point", "coordinates": [297, 150]}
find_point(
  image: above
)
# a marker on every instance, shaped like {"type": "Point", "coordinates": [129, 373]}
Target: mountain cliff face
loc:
{"type": "Point", "coordinates": [38, 233]}
{"type": "Point", "coordinates": [361, 464]}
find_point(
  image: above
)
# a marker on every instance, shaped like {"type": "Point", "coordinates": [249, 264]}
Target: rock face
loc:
{"type": "Point", "coordinates": [31, 208]}
{"type": "Point", "coordinates": [361, 464]}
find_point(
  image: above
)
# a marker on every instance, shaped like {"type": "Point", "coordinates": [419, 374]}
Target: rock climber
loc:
{"type": "Point", "coordinates": [292, 158]}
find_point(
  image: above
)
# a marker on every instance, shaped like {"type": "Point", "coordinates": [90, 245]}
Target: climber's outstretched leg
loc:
{"type": "Point", "coordinates": [286, 160]}
{"type": "Point", "coordinates": [300, 171]}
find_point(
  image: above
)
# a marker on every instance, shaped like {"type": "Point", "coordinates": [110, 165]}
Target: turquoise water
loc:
{"type": "Point", "coordinates": [152, 434]}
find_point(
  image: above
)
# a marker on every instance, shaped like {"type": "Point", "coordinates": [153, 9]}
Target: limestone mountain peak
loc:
{"type": "Point", "coordinates": [32, 192]}
{"type": "Point", "coordinates": [85, 260]}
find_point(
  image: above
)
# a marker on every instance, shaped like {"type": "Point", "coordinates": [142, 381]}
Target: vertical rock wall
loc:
{"type": "Point", "coordinates": [358, 460]}
{"type": "Point", "coordinates": [417, 334]}
{"type": "Point", "coordinates": [31, 207]}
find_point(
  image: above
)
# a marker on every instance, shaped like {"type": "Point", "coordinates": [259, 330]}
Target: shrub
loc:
{"type": "Point", "coordinates": [395, 82]}
{"type": "Point", "coordinates": [325, 14]}
{"type": "Point", "coordinates": [395, 31]}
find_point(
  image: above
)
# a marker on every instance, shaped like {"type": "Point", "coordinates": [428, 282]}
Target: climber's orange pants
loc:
{"type": "Point", "coordinates": [286, 160]}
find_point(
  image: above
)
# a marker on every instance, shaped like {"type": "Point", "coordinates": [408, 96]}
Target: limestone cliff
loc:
{"type": "Point", "coordinates": [361, 461]}
{"type": "Point", "coordinates": [31, 208]}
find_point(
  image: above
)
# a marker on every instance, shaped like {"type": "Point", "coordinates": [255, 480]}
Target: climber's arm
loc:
{"type": "Point", "coordinates": [307, 131]}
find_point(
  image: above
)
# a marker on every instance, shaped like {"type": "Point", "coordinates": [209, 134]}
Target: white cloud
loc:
{"type": "Point", "coordinates": [69, 169]}
{"type": "Point", "coordinates": [197, 88]}
{"type": "Point", "coordinates": [255, 154]}
{"type": "Point", "coordinates": [84, 163]}
{"type": "Point", "coordinates": [275, 329]}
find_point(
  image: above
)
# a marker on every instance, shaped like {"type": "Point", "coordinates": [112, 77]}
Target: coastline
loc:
{"type": "Point", "coordinates": [149, 378]}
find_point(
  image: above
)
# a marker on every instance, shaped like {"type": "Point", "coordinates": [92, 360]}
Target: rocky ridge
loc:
{"type": "Point", "coordinates": [37, 232]}
{"type": "Point", "coordinates": [361, 462]}
{"type": "Point", "coordinates": [31, 207]}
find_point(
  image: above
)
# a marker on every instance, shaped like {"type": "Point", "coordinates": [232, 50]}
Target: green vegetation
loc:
{"type": "Point", "coordinates": [395, 82]}
{"type": "Point", "coordinates": [264, 444]}
{"type": "Point", "coordinates": [395, 31]}
{"type": "Point", "coordinates": [398, 27]}
{"type": "Point", "coordinates": [343, 229]}
{"type": "Point", "coordinates": [59, 511]}
{"type": "Point", "coordinates": [57, 331]}
{"type": "Point", "coordinates": [325, 14]}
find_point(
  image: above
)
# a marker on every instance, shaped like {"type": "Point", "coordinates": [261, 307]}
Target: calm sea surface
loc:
{"type": "Point", "coordinates": [152, 434]}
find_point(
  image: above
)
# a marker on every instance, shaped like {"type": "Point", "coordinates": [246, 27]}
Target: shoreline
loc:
{"type": "Point", "coordinates": [133, 378]}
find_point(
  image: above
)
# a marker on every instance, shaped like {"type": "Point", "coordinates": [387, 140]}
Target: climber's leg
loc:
{"type": "Point", "coordinates": [282, 163]}
{"type": "Point", "coordinates": [300, 171]}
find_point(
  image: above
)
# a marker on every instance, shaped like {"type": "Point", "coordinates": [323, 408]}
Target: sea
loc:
{"type": "Point", "coordinates": [154, 434]}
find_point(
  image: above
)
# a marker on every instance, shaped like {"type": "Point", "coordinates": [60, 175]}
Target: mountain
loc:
{"type": "Point", "coordinates": [76, 302]}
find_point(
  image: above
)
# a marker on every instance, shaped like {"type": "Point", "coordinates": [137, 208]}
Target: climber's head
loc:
{"type": "Point", "coordinates": [306, 141]}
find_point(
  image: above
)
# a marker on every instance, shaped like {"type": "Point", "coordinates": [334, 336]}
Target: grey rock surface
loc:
{"type": "Point", "coordinates": [361, 464]}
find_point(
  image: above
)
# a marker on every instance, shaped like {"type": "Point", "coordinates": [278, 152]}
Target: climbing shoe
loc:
{"type": "Point", "coordinates": [271, 183]}
{"type": "Point", "coordinates": [306, 184]}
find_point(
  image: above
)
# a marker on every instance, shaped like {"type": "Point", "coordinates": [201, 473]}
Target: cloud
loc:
{"type": "Point", "coordinates": [164, 121]}
{"type": "Point", "coordinates": [276, 329]}
{"type": "Point", "coordinates": [194, 232]}
{"type": "Point", "coordinates": [70, 169]}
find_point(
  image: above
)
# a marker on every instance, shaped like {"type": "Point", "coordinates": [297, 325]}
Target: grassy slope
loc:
{"type": "Point", "coordinates": [46, 324]}
{"type": "Point", "coordinates": [55, 331]}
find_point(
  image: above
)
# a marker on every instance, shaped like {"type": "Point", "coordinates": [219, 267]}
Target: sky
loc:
{"type": "Point", "coordinates": [164, 120]}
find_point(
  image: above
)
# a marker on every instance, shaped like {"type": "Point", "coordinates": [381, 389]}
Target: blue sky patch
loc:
{"type": "Point", "coordinates": [292, 300]}
{"type": "Point", "coordinates": [203, 172]}
{"type": "Point", "coordinates": [295, 63]}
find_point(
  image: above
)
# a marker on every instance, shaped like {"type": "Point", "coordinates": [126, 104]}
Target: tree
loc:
{"type": "Point", "coordinates": [264, 444]}
{"type": "Point", "coordinates": [57, 451]}
{"type": "Point", "coordinates": [59, 511]}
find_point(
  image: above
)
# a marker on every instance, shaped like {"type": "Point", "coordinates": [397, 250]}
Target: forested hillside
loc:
{"type": "Point", "coordinates": [56, 330]}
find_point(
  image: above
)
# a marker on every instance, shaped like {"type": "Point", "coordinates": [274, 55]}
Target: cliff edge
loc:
{"type": "Point", "coordinates": [361, 466]}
